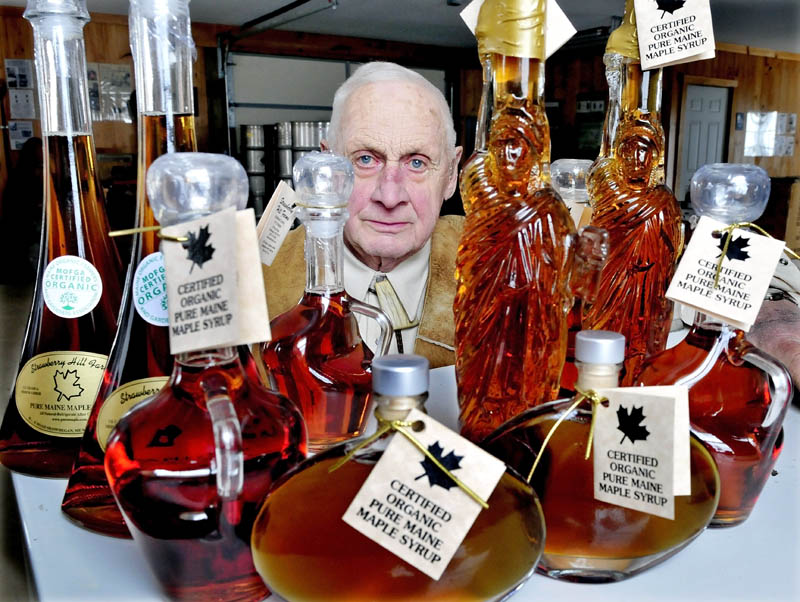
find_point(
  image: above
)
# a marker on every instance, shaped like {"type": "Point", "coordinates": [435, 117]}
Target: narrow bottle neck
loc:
{"type": "Point", "coordinates": [397, 407]}
{"type": "Point", "coordinates": [60, 55]}
{"type": "Point", "coordinates": [597, 376]}
{"type": "Point", "coordinates": [324, 250]}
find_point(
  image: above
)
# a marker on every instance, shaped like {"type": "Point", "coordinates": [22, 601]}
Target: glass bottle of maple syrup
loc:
{"type": "Point", "coordinates": [316, 356]}
{"type": "Point", "coordinates": [189, 466]}
{"type": "Point", "coordinates": [79, 281]}
{"type": "Point", "coordinates": [630, 201]}
{"type": "Point", "coordinates": [139, 362]}
{"type": "Point", "coordinates": [589, 540]}
{"type": "Point", "coordinates": [738, 395]}
{"type": "Point", "coordinates": [305, 551]}
{"type": "Point", "coordinates": [517, 248]}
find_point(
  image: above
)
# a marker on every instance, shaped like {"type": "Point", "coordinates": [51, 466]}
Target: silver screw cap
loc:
{"type": "Point", "coordinates": [400, 375]}
{"type": "Point", "coordinates": [599, 347]}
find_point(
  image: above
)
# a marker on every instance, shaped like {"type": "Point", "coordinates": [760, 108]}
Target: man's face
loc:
{"type": "Point", "coordinates": [392, 133]}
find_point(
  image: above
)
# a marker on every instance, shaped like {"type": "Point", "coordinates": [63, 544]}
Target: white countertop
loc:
{"type": "Point", "coordinates": [757, 560]}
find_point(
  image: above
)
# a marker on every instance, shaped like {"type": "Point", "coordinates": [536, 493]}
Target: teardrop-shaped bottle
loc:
{"type": "Point", "coordinates": [79, 282]}
{"type": "Point", "coordinates": [316, 356]}
{"type": "Point", "coordinates": [140, 361]}
{"type": "Point", "coordinates": [589, 540]}
{"type": "Point", "coordinates": [738, 395]}
{"type": "Point", "coordinates": [190, 466]}
{"type": "Point", "coordinates": [305, 551]}
{"type": "Point", "coordinates": [630, 201]}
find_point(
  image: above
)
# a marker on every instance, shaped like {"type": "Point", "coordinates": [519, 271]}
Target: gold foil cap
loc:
{"type": "Point", "coordinates": [512, 28]}
{"type": "Point", "coordinates": [624, 40]}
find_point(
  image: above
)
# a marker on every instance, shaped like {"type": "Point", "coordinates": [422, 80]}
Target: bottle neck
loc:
{"type": "Point", "coordinates": [208, 372]}
{"type": "Point", "coordinates": [60, 55]}
{"type": "Point", "coordinates": [597, 376]}
{"type": "Point", "coordinates": [390, 407]}
{"type": "Point", "coordinates": [324, 249]}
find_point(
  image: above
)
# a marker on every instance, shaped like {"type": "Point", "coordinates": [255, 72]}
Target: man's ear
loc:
{"type": "Point", "coordinates": [452, 176]}
{"type": "Point", "coordinates": [323, 145]}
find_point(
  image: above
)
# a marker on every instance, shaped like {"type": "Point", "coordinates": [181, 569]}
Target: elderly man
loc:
{"type": "Point", "coordinates": [396, 129]}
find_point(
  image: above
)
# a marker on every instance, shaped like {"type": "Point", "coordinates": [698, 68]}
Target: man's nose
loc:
{"type": "Point", "coordinates": [390, 190]}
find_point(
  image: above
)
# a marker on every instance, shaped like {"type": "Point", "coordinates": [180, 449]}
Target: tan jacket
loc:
{"type": "Point", "coordinates": [285, 280]}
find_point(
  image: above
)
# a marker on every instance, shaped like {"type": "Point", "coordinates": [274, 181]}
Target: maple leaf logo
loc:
{"type": "Point", "coordinates": [736, 248]}
{"type": "Point", "coordinates": [669, 6]}
{"type": "Point", "coordinates": [198, 251]}
{"type": "Point", "coordinates": [165, 437]}
{"type": "Point", "coordinates": [67, 384]}
{"type": "Point", "coordinates": [629, 424]}
{"type": "Point", "coordinates": [435, 475]}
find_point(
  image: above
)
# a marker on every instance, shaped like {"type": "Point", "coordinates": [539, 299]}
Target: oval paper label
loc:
{"type": "Point", "coordinates": [71, 286]}
{"type": "Point", "coordinates": [55, 391]}
{"type": "Point", "coordinates": [150, 290]}
{"type": "Point", "coordinates": [123, 399]}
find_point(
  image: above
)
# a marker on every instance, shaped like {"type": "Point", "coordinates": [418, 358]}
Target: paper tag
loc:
{"type": "Point", "coordinates": [640, 449]}
{"type": "Point", "coordinates": [201, 283]}
{"type": "Point", "coordinates": [411, 508]}
{"type": "Point", "coordinates": [275, 222]}
{"type": "Point", "coordinates": [558, 28]}
{"type": "Point", "coordinates": [253, 313]}
{"type": "Point", "coordinates": [747, 269]}
{"type": "Point", "coordinates": [671, 32]}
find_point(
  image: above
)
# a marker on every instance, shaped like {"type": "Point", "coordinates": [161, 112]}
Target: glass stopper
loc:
{"type": "Point", "coordinates": [323, 180]}
{"type": "Point", "coordinates": [568, 177]}
{"type": "Point", "coordinates": [730, 192]}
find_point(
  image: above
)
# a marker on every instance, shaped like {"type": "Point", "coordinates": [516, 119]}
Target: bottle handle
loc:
{"type": "Point", "coordinates": [385, 338]}
{"type": "Point", "coordinates": [780, 383]}
{"type": "Point", "coordinates": [227, 445]}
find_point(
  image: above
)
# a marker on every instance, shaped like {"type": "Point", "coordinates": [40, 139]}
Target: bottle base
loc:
{"type": "Point", "coordinates": [37, 463]}
{"type": "Point", "coordinates": [723, 520]}
{"type": "Point", "coordinates": [103, 519]}
{"type": "Point", "coordinates": [249, 589]}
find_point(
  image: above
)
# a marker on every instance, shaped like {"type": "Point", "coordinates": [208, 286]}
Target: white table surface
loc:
{"type": "Point", "coordinates": [757, 560]}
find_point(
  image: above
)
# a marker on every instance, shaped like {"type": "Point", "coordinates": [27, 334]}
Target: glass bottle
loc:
{"type": "Point", "coordinates": [78, 286]}
{"type": "Point", "coordinates": [139, 362]}
{"type": "Point", "coordinates": [738, 395]}
{"type": "Point", "coordinates": [630, 201]}
{"type": "Point", "coordinates": [305, 551]}
{"type": "Point", "coordinates": [517, 248]}
{"type": "Point", "coordinates": [589, 540]}
{"type": "Point", "coordinates": [316, 356]}
{"type": "Point", "coordinates": [189, 466]}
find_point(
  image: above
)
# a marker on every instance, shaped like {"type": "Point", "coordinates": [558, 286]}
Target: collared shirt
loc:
{"type": "Point", "coordinates": [409, 280]}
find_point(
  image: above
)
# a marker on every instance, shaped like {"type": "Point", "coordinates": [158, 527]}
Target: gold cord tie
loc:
{"type": "Point", "coordinates": [728, 233]}
{"type": "Point", "coordinates": [384, 426]}
{"type": "Point", "coordinates": [596, 400]}
{"type": "Point", "coordinates": [156, 229]}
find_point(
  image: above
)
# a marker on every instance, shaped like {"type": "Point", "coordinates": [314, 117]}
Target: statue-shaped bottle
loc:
{"type": "Point", "coordinates": [305, 551]}
{"type": "Point", "coordinates": [140, 361]}
{"type": "Point", "coordinates": [78, 286]}
{"type": "Point", "coordinates": [630, 201]}
{"type": "Point", "coordinates": [189, 466]}
{"type": "Point", "coordinates": [738, 395]}
{"type": "Point", "coordinates": [516, 252]}
{"type": "Point", "coordinates": [589, 540]}
{"type": "Point", "coordinates": [316, 355]}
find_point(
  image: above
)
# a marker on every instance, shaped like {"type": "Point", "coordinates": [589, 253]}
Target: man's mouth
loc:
{"type": "Point", "coordinates": [386, 226]}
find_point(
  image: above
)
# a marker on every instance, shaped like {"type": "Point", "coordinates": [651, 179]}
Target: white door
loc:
{"type": "Point", "coordinates": [705, 125]}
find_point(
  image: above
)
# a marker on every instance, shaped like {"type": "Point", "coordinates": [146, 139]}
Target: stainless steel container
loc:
{"type": "Point", "coordinates": [254, 161]}
{"type": "Point", "coordinates": [258, 185]}
{"type": "Point", "coordinates": [297, 154]}
{"type": "Point", "coordinates": [321, 132]}
{"type": "Point", "coordinates": [284, 131]}
{"type": "Point", "coordinates": [285, 162]}
{"type": "Point", "coordinates": [303, 135]}
{"type": "Point", "coordinates": [252, 136]}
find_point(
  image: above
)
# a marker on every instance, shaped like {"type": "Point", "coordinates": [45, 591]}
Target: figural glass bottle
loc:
{"type": "Point", "coordinates": [517, 248]}
{"type": "Point", "coordinates": [738, 395]}
{"type": "Point", "coordinates": [140, 361]}
{"type": "Point", "coordinates": [305, 551]}
{"type": "Point", "coordinates": [316, 356]}
{"type": "Point", "coordinates": [189, 466]}
{"type": "Point", "coordinates": [589, 540]}
{"type": "Point", "coordinates": [78, 286]}
{"type": "Point", "coordinates": [630, 201]}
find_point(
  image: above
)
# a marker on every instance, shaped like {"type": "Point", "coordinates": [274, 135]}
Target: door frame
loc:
{"type": "Point", "coordinates": [678, 115]}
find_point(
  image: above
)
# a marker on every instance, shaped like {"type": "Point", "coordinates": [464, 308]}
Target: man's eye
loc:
{"type": "Point", "coordinates": [365, 161]}
{"type": "Point", "coordinates": [417, 164]}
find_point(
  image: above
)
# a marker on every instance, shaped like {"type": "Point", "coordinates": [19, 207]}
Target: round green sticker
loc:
{"type": "Point", "coordinates": [150, 290]}
{"type": "Point", "coordinates": [71, 286]}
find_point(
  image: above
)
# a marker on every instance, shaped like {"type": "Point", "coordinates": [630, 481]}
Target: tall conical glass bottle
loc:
{"type": "Point", "coordinates": [78, 286]}
{"type": "Point", "coordinates": [738, 395]}
{"type": "Point", "coordinates": [517, 249]}
{"type": "Point", "coordinates": [630, 201]}
{"type": "Point", "coordinates": [190, 466]}
{"type": "Point", "coordinates": [316, 356]}
{"type": "Point", "coordinates": [139, 362]}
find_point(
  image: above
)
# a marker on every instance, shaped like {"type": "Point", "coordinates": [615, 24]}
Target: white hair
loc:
{"type": "Point", "coordinates": [380, 71]}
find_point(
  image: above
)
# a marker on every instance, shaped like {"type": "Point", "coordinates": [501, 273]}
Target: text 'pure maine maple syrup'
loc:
{"type": "Point", "coordinates": [516, 252]}
{"type": "Point", "coordinates": [587, 539]}
{"type": "Point", "coordinates": [305, 551]}
{"type": "Point", "coordinates": [77, 294]}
